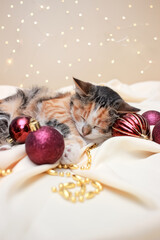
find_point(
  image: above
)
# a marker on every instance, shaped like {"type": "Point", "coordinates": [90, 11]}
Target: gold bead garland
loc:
{"type": "Point", "coordinates": [80, 182]}
{"type": "Point", "coordinates": [66, 189]}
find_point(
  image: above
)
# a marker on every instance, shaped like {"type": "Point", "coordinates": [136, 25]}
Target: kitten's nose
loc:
{"type": "Point", "coordinates": [86, 129]}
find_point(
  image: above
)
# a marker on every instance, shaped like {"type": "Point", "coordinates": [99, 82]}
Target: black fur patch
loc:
{"type": "Point", "coordinates": [63, 128]}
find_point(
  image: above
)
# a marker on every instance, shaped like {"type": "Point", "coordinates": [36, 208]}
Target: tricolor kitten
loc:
{"type": "Point", "coordinates": [83, 115]}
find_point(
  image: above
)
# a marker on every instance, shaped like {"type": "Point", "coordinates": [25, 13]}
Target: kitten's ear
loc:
{"type": "Point", "coordinates": [123, 107]}
{"type": "Point", "coordinates": [83, 88]}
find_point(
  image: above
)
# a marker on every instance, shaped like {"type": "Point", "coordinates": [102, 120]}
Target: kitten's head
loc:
{"type": "Point", "coordinates": [94, 110]}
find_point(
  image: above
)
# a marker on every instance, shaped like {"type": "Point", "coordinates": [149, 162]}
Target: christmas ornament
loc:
{"type": "Point", "coordinates": [44, 146]}
{"type": "Point", "coordinates": [156, 133]}
{"type": "Point", "coordinates": [152, 116]}
{"type": "Point", "coordinates": [19, 129]}
{"type": "Point", "coordinates": [133, 125]}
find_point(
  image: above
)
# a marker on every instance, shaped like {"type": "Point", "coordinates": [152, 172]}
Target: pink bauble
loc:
{"type": "Point", "coordinates": [156, 133]}
{"type": "Point", "coordinates": [19, 128]}
{"type": "Point", "coordinates": [44, 146]}
{"type": "Point", "coordinates": [131, 124]}
{"type": "Point", "coordinates": [152, 116]}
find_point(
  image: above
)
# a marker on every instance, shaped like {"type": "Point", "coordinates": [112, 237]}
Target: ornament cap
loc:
{"type": "Point", "coordinates": [34, 125]}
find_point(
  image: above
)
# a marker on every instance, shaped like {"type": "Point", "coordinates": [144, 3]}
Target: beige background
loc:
{"type": "Point", "coordinates": [46, 42]}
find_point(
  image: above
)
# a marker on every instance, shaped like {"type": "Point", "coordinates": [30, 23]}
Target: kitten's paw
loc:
{"type": "Point", "coordinates": [4, 131]}
{"type": "Point", "coordinates": [71, 154]}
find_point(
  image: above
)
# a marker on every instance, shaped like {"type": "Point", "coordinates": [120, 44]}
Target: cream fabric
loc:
{"type": "Point", "coordinates": [128, 207]}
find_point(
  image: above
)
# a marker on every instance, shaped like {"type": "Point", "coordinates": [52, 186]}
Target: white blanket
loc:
{"type": "Point", "coordinates": [127, 209]}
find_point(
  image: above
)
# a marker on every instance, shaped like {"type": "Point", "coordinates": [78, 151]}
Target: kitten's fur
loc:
{"type": "Point", "coordinates": [81, 116]}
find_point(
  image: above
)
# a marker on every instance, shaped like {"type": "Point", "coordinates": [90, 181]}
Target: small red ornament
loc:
{"type": "Point", "coordinates": [131, 124]}
{"type": "Point", "coordinates": [156, 133]}
{"type": "Point", "coordinates": [152, 116]}
{"type": "Point", "coordinates": [44, 146]}
{"type": "Point", "coordinates": [19, 128]}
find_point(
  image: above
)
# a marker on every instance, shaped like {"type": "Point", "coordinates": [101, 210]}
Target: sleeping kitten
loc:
{"type": "Point", "coordinates": [83, 115]}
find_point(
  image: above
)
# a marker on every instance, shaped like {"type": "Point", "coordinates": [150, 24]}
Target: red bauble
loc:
{"type": "Point", "coordinates": [44, 146]}
{"type": "Point", "coordinates": [156, 133]}
{"type": "Point", "coordinates": [19, 128]}
{"type": "Point", "coordinates": [131, 124]}
{"type": "Point", "coordinates": [152, 116]}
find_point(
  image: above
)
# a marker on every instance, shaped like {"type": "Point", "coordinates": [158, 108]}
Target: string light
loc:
{"type": "Point", "coordinates": [125, 41]}
{"type": "Point", "coordinates": [9, 61]}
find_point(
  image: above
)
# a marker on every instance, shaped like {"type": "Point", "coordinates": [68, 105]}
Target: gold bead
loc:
{"type": "Point", "coordinates": [65, 166]}
{"type": "Point", "coordinates": [82, 168]}
{"type": "Point", "coordinates": [73, 166]}
{"type": "Point", "coordinates": [61, 174]}
{"type": "Point", "coordinates": [65, 193]}
{"type": "Point", "coordinates": [3, 173]}
{"type": "Point", "coordinates": [68, 174]}
{"type": "Point", "coordinates": [82, 181]}
{"type": "Point", "coordinates": [59, 166]}
{"type": "Point", "coordinates": [8, 171]}
{"type": "Point", "coordinates": [76, 177]}
{"type": "Point", "coordinates": [83, 189]}
{"type": "Point", "coordinates": [61, 186]}
{"type": "Point", "coordinates": [96, 184]}
{"type": "Point", "coordinates": [69, 185]}
{"type": "Point", "coordinates": [77, 193]}
{"type": "Point", "coordinates": [54, 189]}
{"type": "Point", "coordinates": [73, 199]}
{"type": "Point", "coordinates": [81, 199]}
{"type": "Point", "coordinates": [79, 183]}
{"type": "Point", "coordinates": [96, 191]}
{"type": "Point", "coordinates": [52, 172]}
{"type": "Point", "coordinates": [87, 180]}
{"type": "Point", "coordinates": [89, 195]}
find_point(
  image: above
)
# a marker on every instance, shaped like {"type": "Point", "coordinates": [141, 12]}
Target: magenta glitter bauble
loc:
{"type": "Point", "coordinates": [131, 124]}
{"type": "Point", "coordinates": [156, 133]}
{"type": "Point", "coordinates": [152, 116]}
{"type": "Point", "coordinates": [19, 128]}
{"type": "Point", "coordinates": [44, 146]}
